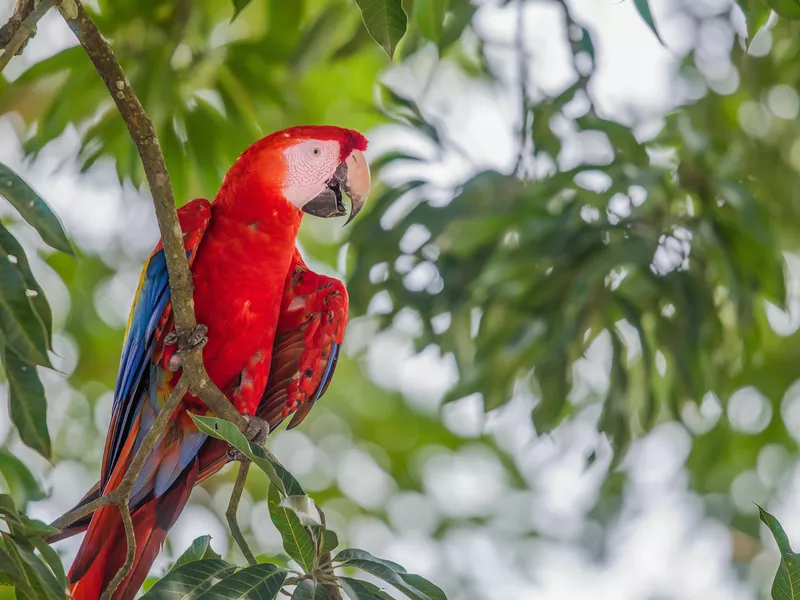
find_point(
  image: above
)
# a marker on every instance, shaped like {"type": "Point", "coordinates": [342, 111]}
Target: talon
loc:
{"type": "Point", "coordinates": [175, 362]}
{"type": "Point", "coordinates": [257, 430]}
{"type": "Point", "coordinates": [235, 455]}
{"type": "Point", "coordinates": [198, 337]}
{"type": "Point", "coordinates": [171, 338]}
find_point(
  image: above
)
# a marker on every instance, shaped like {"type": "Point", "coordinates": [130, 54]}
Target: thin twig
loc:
{"type": "Point", "coordinates": [130, 555]}
{"type": "Point", "coordinates": [78, 513]}
{"type": "Point", "coordinates": [519, 168]}
{"type": "Point", "coordinates": [22, 9]}
{"type": "Point", "coordinates": [123, 498]}
{"type": "Point", "coordinates": [233, 508]}
{"type": "Point", "coordinates": [24, 32]}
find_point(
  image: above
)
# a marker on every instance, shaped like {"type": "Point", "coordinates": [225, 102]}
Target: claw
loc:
{"type": "Point", "coordinates": [198, 338]}
{"type": "Point", "coordinates": [257, 431]}
{"type": "Point", "coordinates": [175, 362]}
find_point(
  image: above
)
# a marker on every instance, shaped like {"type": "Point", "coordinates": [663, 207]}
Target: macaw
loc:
{"type": "Point", "coordinates": [274, 330]}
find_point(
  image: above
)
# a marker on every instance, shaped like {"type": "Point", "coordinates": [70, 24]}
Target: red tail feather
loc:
{"type": "Point", "coordinates": [151, 521]}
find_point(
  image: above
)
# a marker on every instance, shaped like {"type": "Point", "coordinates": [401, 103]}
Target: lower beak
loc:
{"type": "Point", "coordinates": [351, 177]}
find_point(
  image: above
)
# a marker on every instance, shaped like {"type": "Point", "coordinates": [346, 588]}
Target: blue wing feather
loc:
{"type": "Point", "coordinates": [137, 374]}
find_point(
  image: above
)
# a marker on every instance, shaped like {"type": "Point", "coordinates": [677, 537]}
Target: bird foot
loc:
{"type": "Point", "coordinates": [257, 431]}
{"type": "Point", "coordinates": [197, 338]}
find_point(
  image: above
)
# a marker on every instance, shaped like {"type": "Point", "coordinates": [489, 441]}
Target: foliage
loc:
{"type": "Point", "coordinates": [787, 580]}
{"type": "Point", "coordinates": [25, 317]}
{"type": "Point", "coordinates": [666, 248]}
{"type": "Point", "coordinates": [34, 577]}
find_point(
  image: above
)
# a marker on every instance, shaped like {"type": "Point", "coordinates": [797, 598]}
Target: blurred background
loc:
{"type": "Point", "coordinates": [570, 369]}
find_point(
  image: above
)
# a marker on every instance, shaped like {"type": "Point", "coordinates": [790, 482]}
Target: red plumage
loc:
{"type": "Point", "coordinates": [274, 333]}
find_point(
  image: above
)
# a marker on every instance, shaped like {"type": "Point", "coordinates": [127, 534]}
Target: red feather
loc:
{"type": "Point", "coordinates": [273, 340]}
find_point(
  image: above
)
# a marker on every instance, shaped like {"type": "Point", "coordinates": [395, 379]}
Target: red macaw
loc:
{"type": "Point", "coordinates": [273, 339]}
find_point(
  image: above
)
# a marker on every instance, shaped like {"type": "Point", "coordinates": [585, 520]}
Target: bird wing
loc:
{"type": "Point", "coordinates": [307, 344]}
{"type": "Point", "coordinates": [149, 319]}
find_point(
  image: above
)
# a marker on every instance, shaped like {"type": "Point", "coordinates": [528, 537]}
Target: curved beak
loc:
{"type": "Point", "coordinates": [356, 182]}
{"type": "Point", "coordinates": [351, 177]}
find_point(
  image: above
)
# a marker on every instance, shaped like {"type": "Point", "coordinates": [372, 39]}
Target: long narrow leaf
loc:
{"type": "Point", "coordinates": [33, 209]}
{"type": "Point", "coordinates": [27, 402]}
{"type": "Point", "coordinates": [385, 21]}
{"type": "Point", "coordinates": [36, 294]}
{"type": "Point", "coordinates": [226, 431]}
{"type": "Point", "coordinates": [259, 582]}
{"type": "Point", "coordinates": [200, 549]}
{"type": "Point", "coordinates": [20, 325]}
{"type": "Point", "coordinates": [297, 540]}
{"type": "Point", "coordinates": [190, 581]}
{"type": "Point", "coordinates": [310, 590]}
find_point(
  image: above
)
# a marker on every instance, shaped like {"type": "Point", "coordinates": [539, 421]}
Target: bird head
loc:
{"type": "Point", "coordinates": [311, 167]}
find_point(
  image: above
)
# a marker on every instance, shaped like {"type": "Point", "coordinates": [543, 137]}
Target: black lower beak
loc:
{"type": "Point", "coordinates": [328, 203]}
{"type": "Point", "coordinates": [351, 177]}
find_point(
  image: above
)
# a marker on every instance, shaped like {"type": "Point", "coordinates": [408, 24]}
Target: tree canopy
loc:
{"type": "Point", "coordinates": [619, 284]}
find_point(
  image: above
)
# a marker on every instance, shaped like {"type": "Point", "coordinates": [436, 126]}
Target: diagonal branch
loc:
{"type": "Point", "coordinates": [194, 377]}
{"type": "Point", "coordinates": [120, 497]}
{"type": "Point", "coordinates": [144, 136]}
{"type": "Point", "coordinates": [21, 27]}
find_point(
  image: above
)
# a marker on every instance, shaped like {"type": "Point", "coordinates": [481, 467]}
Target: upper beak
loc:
{"type": "Point", "coordinates": [351, 177]}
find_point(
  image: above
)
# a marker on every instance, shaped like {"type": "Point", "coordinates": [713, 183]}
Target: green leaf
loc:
{"type": "Point", "coordinates": [190, 581]}
{"type": "Point", "coordinates": [53, 561]}
{"type": "Point", "coordinates": [32, 573]}
{"type": "Point", "coordinates": [787, 580]}
{"type": "Point", "coordinates": [310, 590]}
{"type": "Point", "coordinates": [33, 209]}
{"type": "Point", "coordinates": [460, 18]}
{"type": "Point", "coordinates": [756, 13]}
{"type": "Point", "coordinates": [413, 586]}
{"type": "Point", "coordinates": [27, 402]}
{"type": "Point", "coordinates": [423, 586]}
{"type": "Point", "coordinates": [358, 589]}
{"type": "Point", "coordinates": [199, 550]}
{"type": "Point", "coordinates": [385, 21]}
{"type": "Point", "coordinates": [429, 17]}
{"type": "Point", "coordinates": [21, 482]}
{"type": "Point", "coordinates": [329, 541]}
{"type": "Point", "coordinates": [38, 299]}
{"type": "Point", "coordinates": [643, 8]}
{"type": "Point", "coordinates": [258, 582]}
{"type": "Point", "coordinates": [238, 6]}
{"type": "Point", "coordinates": [789, 9]}
{"type": "Point", "coordinates": [20, 325]}
{"type": "Point", "coordinates": [297, 540]}
{"type": "Point", "coordinates": [352, 555]}
{"type": "Point", "coordinates": [224, 430]}
{"type": "Point", "coordinates": [21, 525]}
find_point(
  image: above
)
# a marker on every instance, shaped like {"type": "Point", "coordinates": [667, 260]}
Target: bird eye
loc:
{"type": "Point", "coordinates": [316, 151]}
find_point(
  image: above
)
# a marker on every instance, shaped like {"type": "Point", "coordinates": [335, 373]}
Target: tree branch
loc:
{"type": "Point", "coordinates": [232, 512]}
{"type": "Point", "coordinates": [144, 136]}
{"type": "Point", "coordinates": [15, 34]}
{"type": "Point", "coordinates": [121, 496]}
{"type": "Point", "coordinates": [194, 377]}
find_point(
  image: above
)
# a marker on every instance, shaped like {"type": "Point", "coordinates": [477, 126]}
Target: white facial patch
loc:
{"type": "Point", "coordinates": [311, 164]}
